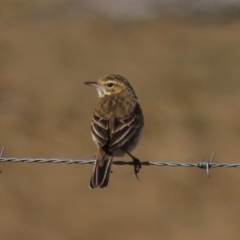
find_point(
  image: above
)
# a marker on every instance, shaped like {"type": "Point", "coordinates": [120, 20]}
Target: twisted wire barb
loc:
{"type": "Point", "coordinates": [203, 164]}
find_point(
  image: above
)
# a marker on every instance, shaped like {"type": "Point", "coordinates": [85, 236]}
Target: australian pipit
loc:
{"type": "Point", "coordinates": [116, 126]}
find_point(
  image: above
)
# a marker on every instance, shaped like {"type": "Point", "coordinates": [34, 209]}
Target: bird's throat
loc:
{"type": "Point", "coordinates": [100, 92]}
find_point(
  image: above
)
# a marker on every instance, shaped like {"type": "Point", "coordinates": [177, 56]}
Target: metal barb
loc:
{"type": "Point", "coordinates": [213, 156]}
{"type": "Point", "coordinates": [1, 155]}
{"type": "Point", "coordinates": [206, 164]}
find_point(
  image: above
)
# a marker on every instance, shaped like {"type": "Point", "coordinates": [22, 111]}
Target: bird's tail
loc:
{"type": "Point", "coordinates": [101, 173]}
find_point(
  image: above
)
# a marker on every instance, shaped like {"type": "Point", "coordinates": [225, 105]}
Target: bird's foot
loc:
{"type": "Point", "coordinates": [137, 166]}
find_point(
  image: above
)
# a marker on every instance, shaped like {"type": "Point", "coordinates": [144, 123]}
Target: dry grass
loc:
{"type": "Point", "coordinates": [186, 74]}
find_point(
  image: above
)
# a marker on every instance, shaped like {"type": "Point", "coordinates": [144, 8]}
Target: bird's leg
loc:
{"type": "Point", "coordinates": [136, 163]}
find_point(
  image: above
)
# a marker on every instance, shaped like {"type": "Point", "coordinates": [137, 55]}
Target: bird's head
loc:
{"type": "Point", "coordinates": [111, 85]}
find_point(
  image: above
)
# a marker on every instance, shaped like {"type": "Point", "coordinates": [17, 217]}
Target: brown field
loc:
{"type": "Point", "coordinates": [186, 75]}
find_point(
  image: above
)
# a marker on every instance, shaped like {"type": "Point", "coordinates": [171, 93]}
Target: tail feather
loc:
{"type": "Point", "coordinates": [101, 173]}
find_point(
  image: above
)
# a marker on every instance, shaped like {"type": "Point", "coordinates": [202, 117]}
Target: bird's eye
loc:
{"type": "Point", "coordinates": [110, 85]}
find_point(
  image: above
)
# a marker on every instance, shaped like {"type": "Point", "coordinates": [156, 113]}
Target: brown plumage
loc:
{"type": "Point", "coordinates": [116, 127]}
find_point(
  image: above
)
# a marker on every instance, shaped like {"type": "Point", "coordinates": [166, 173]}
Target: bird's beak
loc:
{"type": "Point", "coordinates": [92, 84]}
{"type": "Point", "coordinates": [97, 86]}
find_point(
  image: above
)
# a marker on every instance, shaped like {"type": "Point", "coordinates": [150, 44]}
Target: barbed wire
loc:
{"type": "Point", "coordinates": [202, 164]}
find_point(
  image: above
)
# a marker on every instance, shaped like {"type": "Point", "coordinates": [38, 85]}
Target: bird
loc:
{"type": "Point", "coordinates": [116, 126]}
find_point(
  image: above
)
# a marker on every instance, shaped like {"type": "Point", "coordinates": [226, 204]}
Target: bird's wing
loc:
{"type": "Point", "coordinates": [100, 130]}
{"type": "Point", "coordinates": [110, 134]}
{"type": "Point", "coordinates": [124, 129]}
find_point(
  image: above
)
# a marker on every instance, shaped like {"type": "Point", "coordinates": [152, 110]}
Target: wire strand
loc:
{"type": "Point", "coordinates": [92, 161]}
{"type": "Point", "coordinates": [202, 164]}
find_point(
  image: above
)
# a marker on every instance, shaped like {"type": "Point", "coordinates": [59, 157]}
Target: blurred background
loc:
{"type": "Point", "coordinates": [181, 56]}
